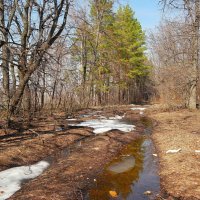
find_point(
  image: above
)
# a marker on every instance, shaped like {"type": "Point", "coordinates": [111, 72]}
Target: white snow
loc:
{"type": "Point", "coordinates": [173, 150]}
{"type": "Point", "coordinates": [102, 117]}
{"type": "Point", "coordinates": [71, 119]}
{"type": "Point", "coordinates": [59, 129]}
{"type": "Point", "coordinates": [116, 117]}
{"type": "Point", "coordinates": [103, 125]}
{"type": "Point", "coordinates": [11, 179]}
{"type": "Point", "coordinates": [138, 108]}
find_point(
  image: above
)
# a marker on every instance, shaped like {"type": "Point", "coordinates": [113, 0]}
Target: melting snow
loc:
{"type": "Point", "coordinates": [59, 129]}
{"type": "Point", "coordinates": [137, 108]}
{"type": "Point", "coordinates": [101, 126]}
{"type": "Point", "coordinates": [140, 109]}
{"type": "Point", "coordinates": [71, 119]}
{"type": "Point", "coordinates": [173, 150]}
{"type": "Point", "coordinates": [11, 179]}
{"type": "Point", "coordinates": [116, 117]}
{"type": "Point", "coordinates": [102, 117]}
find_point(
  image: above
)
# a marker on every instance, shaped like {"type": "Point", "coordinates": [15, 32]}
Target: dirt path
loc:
{"type": "Point", "coordinates": [78, 156]}
{"type": "Point", "coordinates": [77, 166]}
{"type": "Point", "coordinates": [179, 172]}
{"type": "Point", "coordinates": [68, 177]}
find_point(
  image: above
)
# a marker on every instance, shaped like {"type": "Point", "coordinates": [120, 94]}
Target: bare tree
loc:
{"type": "Point", "coordinates": [192, 10]}
{"type": "Point", "coordinates": [33, 27]}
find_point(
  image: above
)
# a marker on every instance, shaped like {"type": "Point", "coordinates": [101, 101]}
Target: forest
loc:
{"type": "Point", "coordinates": [70, 57]}
{"type": "Point", "coordinates": [93, 106]}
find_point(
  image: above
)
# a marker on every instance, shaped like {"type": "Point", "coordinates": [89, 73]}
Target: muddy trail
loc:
{"type": "Point", "coordinates": [95, 154]}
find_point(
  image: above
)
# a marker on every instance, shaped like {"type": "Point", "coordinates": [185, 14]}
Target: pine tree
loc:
{"type": "Point", "coordinates": [131, 41]}
{"type": "Point", "coordinates": [113, 47]}
{"type": "Point", "coordinates": [130, 54]}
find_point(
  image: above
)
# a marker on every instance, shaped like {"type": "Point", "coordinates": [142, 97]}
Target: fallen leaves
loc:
{"type": "Point", "coordinates": [113, 194]}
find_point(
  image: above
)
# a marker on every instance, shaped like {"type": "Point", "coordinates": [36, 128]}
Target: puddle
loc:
{"type": "Point", "coordinates": [148, 124]}
{"type": "Point", "coordinates": [131, 174]}
{"type": "Point", "coordinates": [127, 163]}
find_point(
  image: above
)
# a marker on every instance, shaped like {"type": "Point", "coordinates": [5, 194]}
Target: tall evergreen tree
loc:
{"type": "Point", "coordinates": [130, 54]}
{"type": "Point", "coordinates": [113, 47]}
{"type": "Point", "coordinates": [131, 41]}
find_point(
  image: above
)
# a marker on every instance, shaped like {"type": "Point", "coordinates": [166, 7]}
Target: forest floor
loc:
{"type": "Point", "coordinates": [77, 156]}
{"type": "Point", "coordinates": [179, 172]}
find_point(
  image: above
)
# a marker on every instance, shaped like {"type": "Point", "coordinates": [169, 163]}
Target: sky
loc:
{"type": "Point", "coordinates": [148, 12]}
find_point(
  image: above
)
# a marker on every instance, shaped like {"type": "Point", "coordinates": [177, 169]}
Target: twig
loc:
{"type": "Point", "coordinates": [34, 132]}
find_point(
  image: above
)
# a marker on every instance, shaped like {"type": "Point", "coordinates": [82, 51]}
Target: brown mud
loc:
{"type": "Point", "coordinates": [76, 155]}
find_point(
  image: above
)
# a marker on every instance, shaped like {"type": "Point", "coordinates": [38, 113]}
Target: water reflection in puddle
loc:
{"type": "Point", "coordinates": [126, 164]}
{"type": "Point", "coordinates": [130, 175]}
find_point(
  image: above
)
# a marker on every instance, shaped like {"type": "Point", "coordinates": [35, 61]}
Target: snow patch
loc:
{"type": "Point", "coordinates": [59, 129]}
{"type": "Point", "coordinates": [173, 150]}
{"type": "Point", "coordinates": [102, 117]}
{"type": "Point", "coordinates": [11, 179]}
{"type": "Point", "coordinates": [137, 108]}
{"type": "Point", "coordinates": [72, 119]}
{"type": "Point", "coordinates": [116, 117]}
{"type": "Point", "coordinates": [101, 126]}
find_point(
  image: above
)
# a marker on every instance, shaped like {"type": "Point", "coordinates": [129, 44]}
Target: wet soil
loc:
{"type": "Point", "coordinates": [76, 155]}
{"type": "Point", "coordinates": [130, 175]}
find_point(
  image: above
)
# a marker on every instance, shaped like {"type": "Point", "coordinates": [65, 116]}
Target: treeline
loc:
{"type": "Point", "coordinates": [110, 47]}
{"type": "Point", "coordinates": [174, 51]}
{"type": "Point", "coordinates": [57, 55]}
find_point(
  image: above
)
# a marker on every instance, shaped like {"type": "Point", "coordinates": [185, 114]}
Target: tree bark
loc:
{"type": "Point", "coordinates": [5, 56]}
{"type": "Point", "coordinates": [192, 102]}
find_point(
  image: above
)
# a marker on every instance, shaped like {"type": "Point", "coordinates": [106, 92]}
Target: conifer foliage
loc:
{"type": "Point", "coordinates": [117, 69]}
{"type": "Point", "coordinates": [62, 55]}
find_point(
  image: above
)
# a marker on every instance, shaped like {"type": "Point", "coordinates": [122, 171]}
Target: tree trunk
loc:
{"type": "Point", "coordinates": [5, 56]}
{"type": "Point", "coordinates": [27, 103]}
{"type": "Point", "coordinates": [194, 79]}
{"type": "Point", "coordinates": [193, 95]}
{"type": "Point", "coordinates": [12, 70]}
{"type": "Point", "coordinates": [18, 94]}
{"type": "Point", "coordinates": [5, 71]}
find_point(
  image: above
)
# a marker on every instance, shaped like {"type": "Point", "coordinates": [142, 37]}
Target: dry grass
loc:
{"type": "Point", "coordinates": [70, 175]}
{"type": "Point", "coordinates": [180, 172]}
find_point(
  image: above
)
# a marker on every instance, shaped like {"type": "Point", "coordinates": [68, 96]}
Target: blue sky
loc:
{"type": "Point", "coordinates": [148, 12]}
